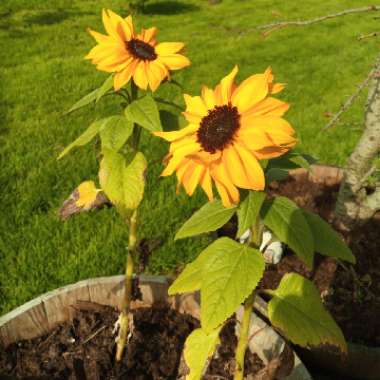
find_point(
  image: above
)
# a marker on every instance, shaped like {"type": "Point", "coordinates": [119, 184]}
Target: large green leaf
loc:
{"type": "Point", "coordinates": [199, 348]}
{"type": "Point", "coordinates": [326, 240]}
{"type": "Point", "coordinates": [87, 135]}
{"type": "Point", "coordinates": [116, 133]}
{"type": "Point", "coordinates": [93, 96]}
{"type": "Point", "coordinates": [248, 210]}
{"type": "Point", "coordinates": [289, 224]}
{"type": "Point", "coordinates": [296, 309]}
{"type": "Point", "coordinates": [208, 218]}
{"type": "Point", "coordinates": [123, 185]}
{"type": "Point", "coordinates": [230, 274]}
{"type": "Point", "coordinates": [190, 278]}
{"type": "Point", "coordinates": [144, 112]}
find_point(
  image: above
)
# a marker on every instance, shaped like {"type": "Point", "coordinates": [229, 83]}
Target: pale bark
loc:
{"type": "Point", "coordinates": [354, 204]}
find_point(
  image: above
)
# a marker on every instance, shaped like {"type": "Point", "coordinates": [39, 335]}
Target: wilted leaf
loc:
{"type": "Point", "coordinates": [84, 198]}
{"type": "Point", "coordinates": [296, 308]}
{"type": "Point", "coordinates": [208, 218]}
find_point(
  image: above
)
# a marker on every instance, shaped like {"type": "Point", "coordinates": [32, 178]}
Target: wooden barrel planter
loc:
{"type": "Point", "coordinates": [362, 362]}
{"type": "Point", "coordinates": [41, 315]}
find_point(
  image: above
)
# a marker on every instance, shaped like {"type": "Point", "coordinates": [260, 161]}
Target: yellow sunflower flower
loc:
{"type": "Point", "coordinates": [230, 129]}
{"type": "Point", "coordinates": [134, 55]}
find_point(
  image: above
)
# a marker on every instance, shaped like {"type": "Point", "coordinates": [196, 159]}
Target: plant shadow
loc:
{"type": "Point", "coordinates": [169, 8]}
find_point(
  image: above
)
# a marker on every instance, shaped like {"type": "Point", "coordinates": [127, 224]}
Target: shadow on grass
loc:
{"type": "Point", "coordinates": [169, 8]}
{"type": "Point", "coordinates": [52, 17]}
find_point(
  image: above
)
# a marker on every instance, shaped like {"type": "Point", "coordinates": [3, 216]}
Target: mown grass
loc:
{"type": "Point", "coordinates": [43, 72]}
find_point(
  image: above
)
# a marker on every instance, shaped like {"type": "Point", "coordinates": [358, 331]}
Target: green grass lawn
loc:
{"type": "Point", "coordinates": [42, 73]}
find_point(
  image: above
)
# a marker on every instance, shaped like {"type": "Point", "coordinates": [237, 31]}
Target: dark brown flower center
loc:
{"type": "Point", "coordinates": [141, 50]}
{"type": "Point", "coordinates": [218, 128]}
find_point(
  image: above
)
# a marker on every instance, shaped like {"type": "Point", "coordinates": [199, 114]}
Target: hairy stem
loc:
{"type": "Point", "coordinates": [243, 338]}
{"type": "Point", "coordinates": [124, 317]}
{"type": "Point", "coordinates": [131, 255]}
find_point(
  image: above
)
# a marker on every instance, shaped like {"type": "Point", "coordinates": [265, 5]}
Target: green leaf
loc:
{"type": "Point", "coordinates": [123, 185]}
{"type": "Point", "coordinates": [230, 274]}
{"type": "Point", "coordinates": [89, 98]}
{"type": "Point", "coordinates": [199, 348]}
{"type": "Point", "coordinates": [87, 135]}
{"type": "Point", "coordinates": [116, 133]}
{"type": "Point", "coordinates": [296, 309]}
{"type": "Point", "coordinates": [144, 112]}
{"type": "Point", "coordinates": [190, 278]}
{"type": "Point", "coordinates": [275, 174]}
{"type": "Point", "coordinates": [289, 224]}
{"type": "Point", "coordinates": [248, 210]}
{"type": "Point", "coordinates": [292, 160]}
{"type": "Point", "coordinates": [327, 241]}
{"type": "Point", "coordinates": [104, 88]}
{"type": "Point", "coordinates": [208, 218]}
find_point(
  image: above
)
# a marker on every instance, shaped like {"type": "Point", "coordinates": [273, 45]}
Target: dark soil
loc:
{"type": "Point", "coordinates": [351, 293]}
{"type": "Point", "coordinates": [84, 348]}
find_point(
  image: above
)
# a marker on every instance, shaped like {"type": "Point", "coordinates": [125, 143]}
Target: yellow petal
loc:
{"type": "Point", "coordinates": [100, 38]}
{"type": "Point", "coordinates": [156, 74]}
{"type": "Point", "coordinates": [229, 197]}
{"type": "Point", "coordinates": [195, 105]}
{"type": "Point", "coordinates": [251, 91]}
{"type": "Point", "coordinates": [114, 62]}
{"type": "Point", "coordinates": [122, 78]}
{"type": "Point", "coordinates": [253, 169]}
{"type": "Point", "coordinates": [175, 135]}
{"type": "Point", "coordinates": [140, 77]}
{"type": "Point", "coordinates": [192, 177]}
{"type": "Point", "coordinates": [269, 106]}
{"type": "Point", "coordinates": [276, 87]}
{"type": "Point", "coordinates": [178, 157]}
{"type": "Point", "coordinates": [206, 184]}
{"type": "Point", "coordinates": [235, 168]}
{"type": "Point", "coordinates": [123, 28]}
{"type": "Point", "coordinates": [267, 124]}
{"type": "Point", "coordinates": [208, 97]}
{"type": "Point", "coordinates": [226, 85]}
{"type": "Point", "coordinates": [148, 35]}
{"type": "Point", "coordinates": [253, 139]}
{"type": "Point", "coordinates": [167, 48]}
{"type": "Point", "coordinates": [270, 152]}
{"type": "Point", "coordinates": [109, 26]}
{"type": "Point", "coordinates": [174, 61]}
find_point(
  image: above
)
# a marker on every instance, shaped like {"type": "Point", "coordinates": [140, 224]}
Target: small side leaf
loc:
{"type": "Point", "coordinates": [208, 218]}
{"type": "Point", "coordinates": [327, 241]}
{"type": "Point", "coordinates": [199, 348]}
{"type": "Point", "coordinates": [144, 112]}
{"type": "Point", "coordinates": [289, 224]}
{"type": "Point", "coordinates": [275, 174]}
{"type": "Point", "coordinates": [86, 136]}
{"type": "Point", "coordinates": [104, 88]}
{"type": "Point", "coordinates": [296, 308]}
{"type": "Point", "coordinates": [116, 133]}
{"type": "Point", "coordinates": [248, 210]}
{"type": "Point", "coordinates": [91, 97]}
{"type": "Point", "coordinates": [230, 274]}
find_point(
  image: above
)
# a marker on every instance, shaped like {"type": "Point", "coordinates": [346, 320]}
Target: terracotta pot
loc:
{"type": "Point", "coordinates": [42, 314]}
{"type": "Point", "coordinates": [362, 362]}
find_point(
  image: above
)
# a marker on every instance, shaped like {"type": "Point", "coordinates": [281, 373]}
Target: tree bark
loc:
{"type": "Point", "coordinates": [354, 205]}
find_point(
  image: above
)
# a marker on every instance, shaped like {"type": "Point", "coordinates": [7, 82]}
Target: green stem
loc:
{"type": "Point", "coordinates": [243, 339]}
{"type": "Point", "coordinates": [256, 238]}
{"type": "Point", "coordinates": [131, 255]}
{"type": "Point", "coordinates": [124, 317]}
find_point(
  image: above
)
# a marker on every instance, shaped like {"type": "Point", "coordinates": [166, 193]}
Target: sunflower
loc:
{"type": "Point", "coordinates": [134, 55]}
{"type": "Point", "coordinates": [230, 129]}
